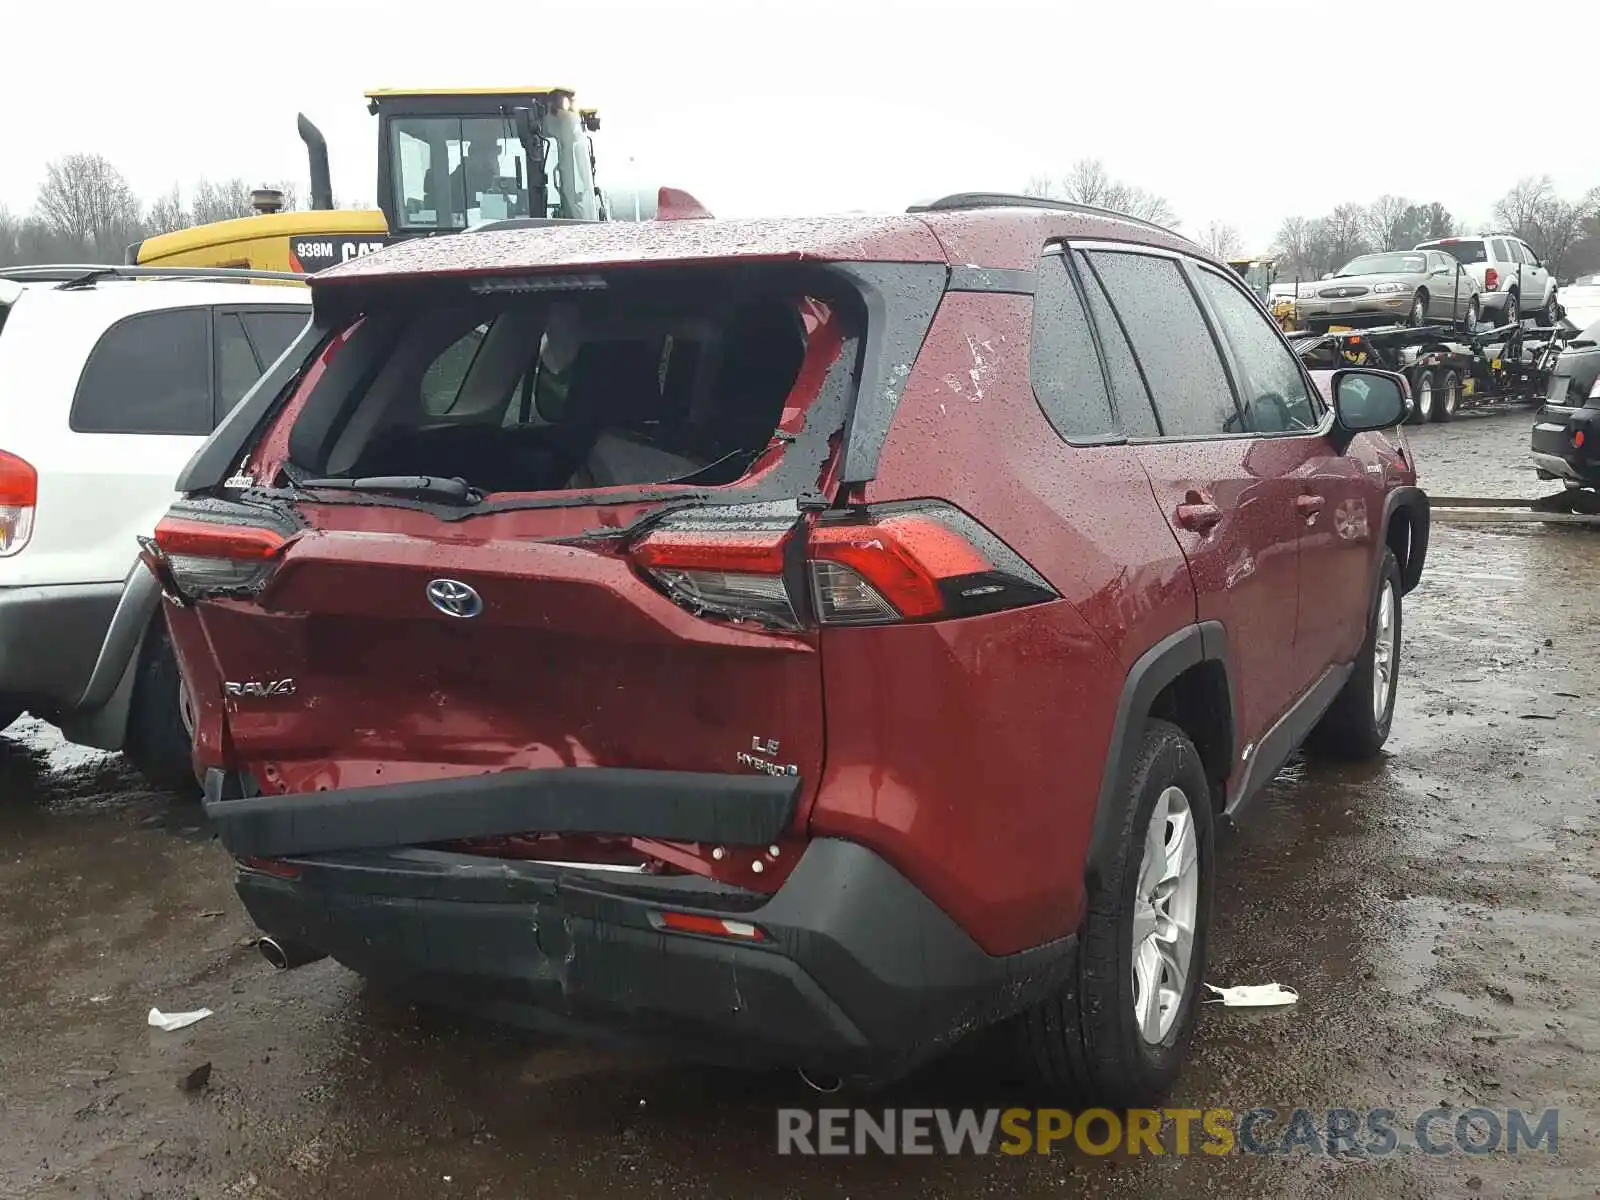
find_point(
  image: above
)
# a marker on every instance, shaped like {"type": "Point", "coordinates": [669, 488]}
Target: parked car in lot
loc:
{"type": "Point", "coordinates": [1411, 287]}
{"type": "Point", "coordinates": [109, 381]}
{"type": "Point", "coordinates": [1566, 431]}
{"type": "Point", "coordinates": [1512, 282]}
{"type": "Point", "coordinates": [804, 641]}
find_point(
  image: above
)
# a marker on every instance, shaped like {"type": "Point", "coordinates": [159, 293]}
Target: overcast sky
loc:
{"type": "Point", "coordinates": [1236, 111]}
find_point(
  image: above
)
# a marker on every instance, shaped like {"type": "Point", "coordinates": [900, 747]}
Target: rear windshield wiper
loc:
{"type": "Point", "coordinates": [418, 487]}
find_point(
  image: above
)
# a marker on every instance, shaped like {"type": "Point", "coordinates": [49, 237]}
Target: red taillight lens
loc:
{"type": "Point", "coordinates": [1491, 279]}
{"type": "Point", "coordinates": [205, 556]}
{"type": "Point", "coordinates": [275, 867]}
{"type": "Point", "coordinates": [881, 565]}
{"type": "Point", "coordinates": [1577, 440]}
{"type": "Point", "coordinates": [19, 495]}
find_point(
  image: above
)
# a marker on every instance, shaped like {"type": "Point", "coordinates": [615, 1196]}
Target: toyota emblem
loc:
{"type": "Point", "coordinates": [454, 599]}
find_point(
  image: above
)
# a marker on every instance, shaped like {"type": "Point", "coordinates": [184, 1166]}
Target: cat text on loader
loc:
{"type": "Point", "coordinates": [448, 160]}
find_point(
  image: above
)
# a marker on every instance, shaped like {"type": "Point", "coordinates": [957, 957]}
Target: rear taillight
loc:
{"type": "Point", "coordinates": [19, 495]}
{"type": "Point", "coordinates": [1491, 279]}
{"type": "Point", "coordinates": [875, 566]}
{"type": "Point", "coordinates": [202, 556]}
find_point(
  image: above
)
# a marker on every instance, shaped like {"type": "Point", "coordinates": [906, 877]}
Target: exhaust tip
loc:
{"type": "Point", "coordinates": [273, 953]}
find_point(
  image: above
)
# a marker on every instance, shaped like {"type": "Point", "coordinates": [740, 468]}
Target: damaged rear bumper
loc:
{"type": "Point", "coordinates": [858, 973]}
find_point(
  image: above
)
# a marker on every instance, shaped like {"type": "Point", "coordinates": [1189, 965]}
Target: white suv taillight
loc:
{"type": "Point", "coordinates": [19, 495]}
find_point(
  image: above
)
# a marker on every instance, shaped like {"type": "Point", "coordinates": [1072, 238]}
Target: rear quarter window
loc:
{"type": "Point", "coordinates": [149, 373]}
{"type": "Point", "coordinates": [1062, 360]}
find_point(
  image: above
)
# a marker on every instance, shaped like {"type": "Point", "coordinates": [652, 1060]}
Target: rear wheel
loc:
{"type": "Point", "coordinates": [1422, 397]}
{"type": "Point", "coordinates": [160, 720]}
{"type": "Point", "coordinates": [1512, 313]}
{"type": "Point", "coordinates": [1117, 1032]}
{"type": "Point", "coordinates": [1449, 397]}
{"type": "Point", "coordinates": [1419, 309]}
{"type": "Point", "coordinates": [1474, 313]}
{"type": "Point", "coordinates": [1551, 309]}
{"type": "Point", "coordinates": [1357, 724]}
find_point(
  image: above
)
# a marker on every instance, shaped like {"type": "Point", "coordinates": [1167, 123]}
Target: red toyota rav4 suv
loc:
{"type": "Point", "coordinates": [804, 641]}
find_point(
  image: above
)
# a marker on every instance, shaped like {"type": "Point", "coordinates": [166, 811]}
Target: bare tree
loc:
{"type": "Point", "coordinates": [1040, 186]}
{"type": "Point", "coordinates": [1221, 239]}
{"type": "Point", "coordinates": [1345, 228]}
{"type": "Point", "coordinates": [1519, 209]}
{"type": "Point", "coordinates": [221, 201]}
{"type": "Point", "coordinates": [10, 232]}
{"type": "Point", "coordinates": [1292, 245]}
{"type": "Point", "coordinates": [86, 201]}
{"type": "Point", "coordinates": [1387, 222]}
{"type": "Point", "coordinates": [1087, 183]}
{"type": "Point", "coordinates": [1560, 227]}
{"type": "Point", "coordinates": [167, 213]}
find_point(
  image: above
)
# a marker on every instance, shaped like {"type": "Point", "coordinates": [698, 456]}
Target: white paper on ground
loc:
{"type": "Point", "coordinates": [1254, 995]}
{"type": "Point", "coordinates": [175, 1021]}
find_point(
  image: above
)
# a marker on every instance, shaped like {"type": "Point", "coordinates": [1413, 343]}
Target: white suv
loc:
{"type": "Point", "coordinates": [110, 378]}
{"type": "Point", "coordinates": [1513, 283]}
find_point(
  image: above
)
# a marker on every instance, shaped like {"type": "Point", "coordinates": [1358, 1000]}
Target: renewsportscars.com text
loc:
{"type": "Point", "coordinates": [1374, 1132]}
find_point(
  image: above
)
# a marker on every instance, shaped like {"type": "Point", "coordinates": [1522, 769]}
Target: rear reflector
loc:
{"type": "Point", "coordinates": [275, 867]}
{"type": "Point", "coordinates": [880, 565]}
{"type": "Point", "coordinates": [681, 922]}
{"type": "Point", "coordinates": [19, 494]}
{"type": "Point", "coordinates": [205, 556]}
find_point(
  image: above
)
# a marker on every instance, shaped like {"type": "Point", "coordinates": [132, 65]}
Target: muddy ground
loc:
{"type": "Point", "coordinates": [1437, 912]}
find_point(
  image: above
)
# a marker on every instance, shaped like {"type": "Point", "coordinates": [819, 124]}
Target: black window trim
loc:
{"type": "Point", "coordinates": [1117, 434]}
{"type": "Point", "coordinates": [212, 418]}
{"type": "Point", "coordinates": [1186, 265]}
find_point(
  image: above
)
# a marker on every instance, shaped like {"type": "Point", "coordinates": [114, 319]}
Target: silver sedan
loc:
{"type": "Point", "coordinates": [1414, 287]}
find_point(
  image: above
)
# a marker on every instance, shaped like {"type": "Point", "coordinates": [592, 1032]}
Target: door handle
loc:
{"type": "Point", "coordinates": [1199, 516]}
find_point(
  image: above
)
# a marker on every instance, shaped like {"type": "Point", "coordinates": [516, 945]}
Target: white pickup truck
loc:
{"type": "Point", "coordinates": [110, 378]}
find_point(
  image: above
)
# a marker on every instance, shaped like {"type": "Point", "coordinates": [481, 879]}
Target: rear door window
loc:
{"type": "Point", "coordinates": [1063, 361]}
{"type": "Point", "coordinates": [1131, 395]}
{"type": "Point", "coordinates": [237, 369]}
{"type": "Point", "coordinates": [1501, 252]}
{"type": "Point", "coordinates": [149, 373]}
{"type": "Point", "coordinates": [1180, 361]}
{"type": "Point", "coordinates": [272, 331]}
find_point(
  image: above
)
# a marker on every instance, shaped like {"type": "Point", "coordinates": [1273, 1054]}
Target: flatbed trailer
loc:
{"type": "Point", "coordinates": [1448, 369]}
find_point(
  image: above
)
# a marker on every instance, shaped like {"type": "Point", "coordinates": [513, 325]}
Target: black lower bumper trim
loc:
{"type": "Point", "coordinates": [689, 806]}
{"type": "Point", "coordinates": [860, 973]}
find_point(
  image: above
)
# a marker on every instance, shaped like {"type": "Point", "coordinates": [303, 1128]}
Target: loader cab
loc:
{"type": "Point", "coordinates": [455, 160]}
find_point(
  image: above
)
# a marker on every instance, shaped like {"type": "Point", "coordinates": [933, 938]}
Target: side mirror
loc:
{"type": "Point", "coordinates": [1365, 400]}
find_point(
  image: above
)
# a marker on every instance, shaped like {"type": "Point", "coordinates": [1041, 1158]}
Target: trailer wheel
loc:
{"type": "Point", "coordinates": [1421, 396]}
{"type": "Point", "coordinates": [1449, 396]}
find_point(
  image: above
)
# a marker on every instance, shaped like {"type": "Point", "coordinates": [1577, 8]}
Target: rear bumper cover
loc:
{"type": "Point", "coordinates": [50, 639]}
{"type": "Point", "coordinates": [1552, 446]}
{"type": "Point", "coordinates": [860, 974]}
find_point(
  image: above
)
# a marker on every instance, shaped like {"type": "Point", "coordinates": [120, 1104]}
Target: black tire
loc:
{"type": "Point", "coordinates": [1448, 397]}
{"type": "Point", "coordinates": [1419, 309]}
{"type": "Point", "coordinates": [1549, 314]}
{"type": "Point", "coordinates": [1351, 728]}
{"type": "Point", "coordinates": [1084, 1044]}
{"type": "Point", "coordinates": [1422, 397]}
{"type": "Point", "coordinates": [1511, 314]}
{"type": "Point", "coordinates": [1474, 313]}
{"type": "Point", "coordinates": [158, 742]}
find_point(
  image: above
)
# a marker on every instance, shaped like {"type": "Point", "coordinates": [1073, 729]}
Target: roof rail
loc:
{"type": "Point", "coordinates": [86, 273]}
{"type": "Point", "coordinates": [964, 200]}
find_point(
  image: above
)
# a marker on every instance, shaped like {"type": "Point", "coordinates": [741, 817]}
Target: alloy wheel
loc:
{"type": "Point", "coordinates": [1166, 905]}
{"type": "Point", "coordinates": [1384, 662]}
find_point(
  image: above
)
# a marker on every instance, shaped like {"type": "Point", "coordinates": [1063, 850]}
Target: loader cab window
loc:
{"type": "Point", "coordinates": [460, 172]}
{"type": "Point", "coordinates": [455, 172]}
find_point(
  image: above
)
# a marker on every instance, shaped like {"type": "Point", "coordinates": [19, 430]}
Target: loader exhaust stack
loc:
{"type": "Point", "coordinates": [317, 152]}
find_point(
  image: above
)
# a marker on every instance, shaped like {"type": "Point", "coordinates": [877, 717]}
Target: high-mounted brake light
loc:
{"type": "Point", "coordinates": [19, 495]}
{"type": "Point", "coordinates": [873, 566]}
{"type": "Point", "coordinates": [206, 556]}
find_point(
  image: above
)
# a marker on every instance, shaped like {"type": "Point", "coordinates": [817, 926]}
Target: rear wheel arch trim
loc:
{"type": "Point", "coordinates": [1150, 674]}
{"type": "Point", "coordinates": [1412, 504]}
